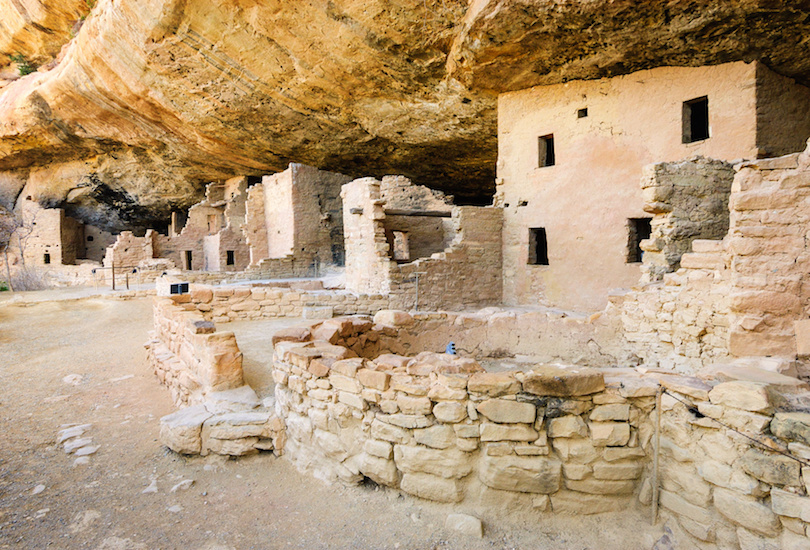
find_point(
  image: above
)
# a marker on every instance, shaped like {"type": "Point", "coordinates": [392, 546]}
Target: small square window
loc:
{"type": "Point", "coordinates": [229, 259]}
{"type": "Point", "coordinates": [696, 120]}
{"type": "Point", "coordinates": [47, 259]}
{"type": "Point", "coordinates": [638, 229]}
{"type": "Point", "coordinates": [545, 146]}
{"type": "Point", "coordinates": [538, 246]}
{"type": "Point", "coordinates": [582, 113]}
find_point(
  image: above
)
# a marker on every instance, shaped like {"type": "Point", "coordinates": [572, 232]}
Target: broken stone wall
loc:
{"type": "Point", "coordinates": [367, 259]}
{"type": "Point", "coordinates": [682, 322]}
{"type": "Point", "coordinates": [446, 277]}
{"type": "Point", "coordinates": [188, 355]}
{"type": "Point", "coordinates": [770, 262]}
{"type": "Point", "coordinates": [96, 242]}
{"type": "Point", "coordinates": [297, 214]}
{"type": "Point", "coordinates": [688, 200]}
{"type": "Point", "coordinates": [131, 251]}
{"type": "Point", "coordinates": [282, 299]}
{"type": "Point", "coordinates": [466, 275]}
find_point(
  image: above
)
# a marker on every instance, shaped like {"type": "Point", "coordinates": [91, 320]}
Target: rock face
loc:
{"type": "Point", "coordinates": [152, 100]}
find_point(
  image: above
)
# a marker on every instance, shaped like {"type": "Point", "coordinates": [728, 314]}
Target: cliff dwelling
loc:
{"type": "Point", "coordinates": [434, 275]}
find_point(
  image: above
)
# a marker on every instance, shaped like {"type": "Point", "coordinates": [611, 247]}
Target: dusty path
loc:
{"type": "Point", "coordinates": [256, 502]}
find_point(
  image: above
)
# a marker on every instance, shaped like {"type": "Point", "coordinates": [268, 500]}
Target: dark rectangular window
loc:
{"type": "Point", "coordinates": [188, 260]}
{"type": "Point", "coordinates": [229, 260]}
{"type": "Point", "coordinates": [696, 119]}
{"type": "Point", "coordinates": [545, 145]}
{"type": "Point", "coordinates": [538, 246]}
{"type": "Point", "coordinates": [638, 229]}
{"type": "Point", "coordinates": [47, 258]}
{"type": "Point", "coordinates": [582, 113]}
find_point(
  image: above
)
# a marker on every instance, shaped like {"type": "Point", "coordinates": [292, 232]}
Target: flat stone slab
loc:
{"type": "Point", "coordinates": [563, 382]}
{"type": "Point", "coordinates": [743, 373]}
{"type": "Point", "coordinates": [239, 399]}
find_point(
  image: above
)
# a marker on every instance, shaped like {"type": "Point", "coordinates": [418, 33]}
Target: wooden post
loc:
{"type": "Point", "coordinates": [657, 453]}
{"type": "Point", "coordinates": [113, 275]}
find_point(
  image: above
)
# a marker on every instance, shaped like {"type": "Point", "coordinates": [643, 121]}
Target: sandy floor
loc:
{"type": "Point", "coordinates": [256, 502]}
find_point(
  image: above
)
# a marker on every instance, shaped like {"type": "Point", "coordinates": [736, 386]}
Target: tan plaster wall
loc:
{"type": "Point", "coordinates": [279, 213]}
{"type": "Point", "coordinates": [585, 199]}
{"type": "Point", "coordinates": [255, 226]}
{"type": "Point", "coordinates": [94, 250]}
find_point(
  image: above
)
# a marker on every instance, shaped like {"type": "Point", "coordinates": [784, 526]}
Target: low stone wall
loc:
{"type": "Point", "coordinates": [222, 304]}
{"type": "Point", "coordinates": [188, 355]}
{"type": "Point", "coordinates": [559, 439]}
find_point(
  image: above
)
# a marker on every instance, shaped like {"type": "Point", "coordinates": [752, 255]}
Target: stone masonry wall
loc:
{"type": "Point", "coordinates": [558, 439]}
{"type": "Point", "coordinates": [293, 299]}
{"type": "Point", "coordinates": [188, 355]}
{"type": "Point", "coordinates": [770, 266]}
{"type": "Point", "coordinates": [681, 322]}
{"type": "Point", "coordinates": [467, 275]}
{"type": "Point", "coordinates": [689, 200]}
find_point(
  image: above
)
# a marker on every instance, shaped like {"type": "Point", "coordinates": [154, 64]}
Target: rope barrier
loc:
{"type": "Point", "coordinates": [694, 410]}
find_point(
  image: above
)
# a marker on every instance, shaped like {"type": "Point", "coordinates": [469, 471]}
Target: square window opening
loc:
{"type": "Point", "coordinates": [538, 246]}
{"type": "Point", "coordinates": [696, 120]}
{"type": "Point", "coordinates": [229, 258]}
{"type": "Point", "coordinates": [545, 145]}
{"type": "Point", "coordinates": [638, 229]}
{"type": "Point", "coordinates": [582, 113]}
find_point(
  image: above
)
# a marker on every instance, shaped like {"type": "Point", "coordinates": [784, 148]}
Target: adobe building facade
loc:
{"type": "Point", "coordinates": [571, 157]}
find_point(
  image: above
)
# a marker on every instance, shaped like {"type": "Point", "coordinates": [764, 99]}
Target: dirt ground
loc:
{"type": "Point", "coordinates": [83, 362]}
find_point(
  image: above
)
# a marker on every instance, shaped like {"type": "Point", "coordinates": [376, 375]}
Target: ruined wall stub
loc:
{"type": "Point", "coordinates": [688, 201]}
{"type": "Point", "coordinates": [571, 155]}
{"type": "Point", "coordinates": [297, 213]}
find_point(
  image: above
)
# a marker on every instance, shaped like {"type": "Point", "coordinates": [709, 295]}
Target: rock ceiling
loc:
{"type": "Point", "coordinates": [153, 98]}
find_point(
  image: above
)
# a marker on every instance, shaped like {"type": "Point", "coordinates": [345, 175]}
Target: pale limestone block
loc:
{"type": "Point", "coordinates": [431, 487]}
{"type": "Point", "coordinates": [581, 451]}
{"type": "Point", "coordinates": [414, 405]}
{"type": "Point", "coordinates": [601, 487]}
{"type": "Point", "coordinates": [374, 379]}
{"type": "Point", "coordinates": [531, 450]}
{"type": "Point", "coordinates": [507, 432]}
{"type": "Point", "coordinates": [567, 426]}
{"type": "Point", "coordinates": [440, 392]}
{"type": "Point", "coordinates": [748, 396]}
{"type": "Point", "coordinates": [521, 474]}
{"type": "Point", "coordinates": [236, 425]}
{"type": "Point", "coordinates": [448, 463]}
{"type": "Point", "coordinates": [406, 420]}
{"type": "Point", "coordinates": [467, 430]}
{"type": "Point", "coordinates": [467, 444]}
{"type": "Point", "coordinates": [793, 541]}
{"type": "Point", "coordinates": [611, 454]}
{"type": "Point", "coordinates": [617, 470]}
{"type": "Point", "coordinates": [380, 449]}
{"type": "Point", "coordinates": [616, 411]}
{"type": "Point", "coordinates": [701, 531]}
{"type": "Point", "coordinates": [744, 510]}
{"type": "Point", "coordinates": [464, 524]}
{"type": "Point", "coordinates": [506, 411]}
{"type": "Point", "coordinates": [182, 431]}
{"type": "Point", "coordinates": [493, 384]}
{"type": "Point", "coordinates": [344, 383]}
{"type": "Point", "coordinates": [450, 412]}
{"type": "Point", "coordinates": [609, 434]}
{"type": "Point", "coordinates": [574, 503]}
{"type": "Point", "coordinates": [231, 447]}
{"type": "Point", "coordinates": [380, 470]}
{"type": "Point", "coordinates": [440, 436]}
{"type": "Point", "coordinates": [352, 400]}
{"type": "Point", "coordinates": [387, 432]}
{"type": "Point", "coordinates": [682, 507]}
{"type": "Point", "coordinates": [755, 541]}
{"type": "Point", "coordinates": [789, 504]}
{"type": "Point", "coordinates": [576, 471]}
{"type": "Point", "coordinates": [498, 449]}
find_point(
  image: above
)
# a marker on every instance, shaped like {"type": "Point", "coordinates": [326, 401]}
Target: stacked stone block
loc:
{"type": "Point", "coordinates": [188, 355]}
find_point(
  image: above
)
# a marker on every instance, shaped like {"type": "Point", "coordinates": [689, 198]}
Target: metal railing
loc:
{"type": "Point", "coordinates": [125, 270]}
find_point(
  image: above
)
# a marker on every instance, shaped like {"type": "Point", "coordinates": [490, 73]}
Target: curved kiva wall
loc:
{"type": "Point", "coordinates": [561, 439]}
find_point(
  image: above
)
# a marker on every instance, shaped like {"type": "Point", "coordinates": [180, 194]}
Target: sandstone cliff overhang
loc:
{"type": "Point", "coordinates": [151, 100]}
